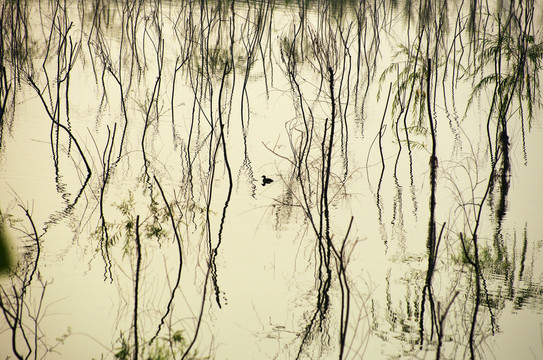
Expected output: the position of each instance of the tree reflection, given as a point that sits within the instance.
(22, 298)
(172, 112)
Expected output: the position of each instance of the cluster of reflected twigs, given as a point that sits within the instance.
(218, 46)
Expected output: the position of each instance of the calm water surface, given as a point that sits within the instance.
(404, 141)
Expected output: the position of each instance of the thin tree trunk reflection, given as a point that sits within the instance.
(198, 91)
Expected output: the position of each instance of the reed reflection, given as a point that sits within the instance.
(161, 158)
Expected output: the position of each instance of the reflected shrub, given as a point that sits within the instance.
(163, 348)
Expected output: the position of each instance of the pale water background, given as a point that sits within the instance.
(266, 265)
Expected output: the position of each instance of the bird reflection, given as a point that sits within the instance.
(266, 180)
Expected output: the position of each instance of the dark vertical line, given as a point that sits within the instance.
(433, 165)
(382, 129)
(104, 241)
(523, 252)
(325, 191)
(136, 289)
(199, 321)
(431, 240)
(180, 253)
(214, 251)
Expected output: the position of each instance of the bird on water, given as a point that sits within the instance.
(266, 180)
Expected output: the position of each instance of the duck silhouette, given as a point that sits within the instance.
(266, 180)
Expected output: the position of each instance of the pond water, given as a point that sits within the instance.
(260, 179)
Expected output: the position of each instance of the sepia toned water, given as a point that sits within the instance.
(135, 138)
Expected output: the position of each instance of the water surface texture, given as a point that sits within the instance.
(271, 179)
